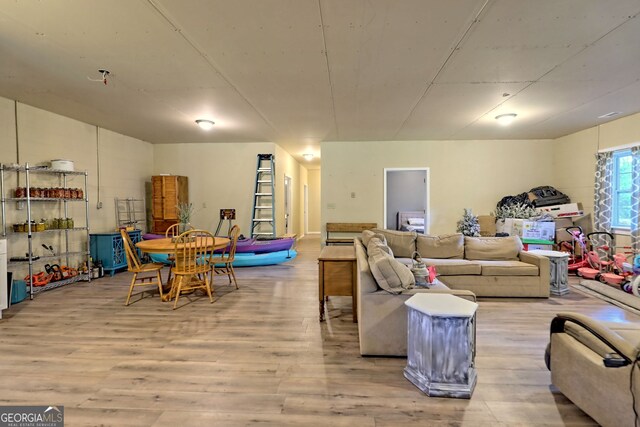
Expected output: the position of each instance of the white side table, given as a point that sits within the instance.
(559, 270)
(441, 345)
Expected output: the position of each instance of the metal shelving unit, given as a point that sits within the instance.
(130, 213)
(66, 254)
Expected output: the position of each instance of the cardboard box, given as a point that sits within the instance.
(536, 247)
(561, 234)
(538, 230)
(487, 225)
(511, 226)
(526, 229)
(563, 211)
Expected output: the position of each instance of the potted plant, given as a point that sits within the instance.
(185, 211)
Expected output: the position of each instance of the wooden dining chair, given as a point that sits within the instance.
(174, 230)
(223, 263)
(192, 266)
(135, 266)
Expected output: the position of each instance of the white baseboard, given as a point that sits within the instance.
(317, 233)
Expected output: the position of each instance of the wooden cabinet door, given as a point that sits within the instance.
(167, 193)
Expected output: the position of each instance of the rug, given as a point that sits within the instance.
(610, 294)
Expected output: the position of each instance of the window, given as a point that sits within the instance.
(621, 189)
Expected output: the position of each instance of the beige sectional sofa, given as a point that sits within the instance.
(484, 266)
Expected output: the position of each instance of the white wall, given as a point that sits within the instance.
(315, 193)
(574, 159)
(464, 174)
(125, 164)
(221, 176)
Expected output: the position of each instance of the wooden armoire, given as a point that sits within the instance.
(167, 192)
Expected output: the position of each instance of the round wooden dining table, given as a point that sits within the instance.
(168, 246)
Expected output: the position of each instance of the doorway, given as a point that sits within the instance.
(305, 205)
(405, 190)
(287, 205)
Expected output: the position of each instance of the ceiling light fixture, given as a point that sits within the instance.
(506, 119)
(308, 157)
(611, 114)
(205, 124)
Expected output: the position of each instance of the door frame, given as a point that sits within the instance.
(288, 202)
(305, 207)
(427, 215)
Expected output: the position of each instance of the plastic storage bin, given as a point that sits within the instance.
(18, 291)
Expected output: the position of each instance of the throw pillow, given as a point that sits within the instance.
(403, 243)
(441, 247)
(492, 248)
(416, 221)
(367, 235)
(376, 244)
(390, 274)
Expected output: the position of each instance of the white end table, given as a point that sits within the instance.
(559, 270)
(441, 345)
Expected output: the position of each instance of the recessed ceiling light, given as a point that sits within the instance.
(506, 119)
(205, 124)
(308, 156)
(611, 114)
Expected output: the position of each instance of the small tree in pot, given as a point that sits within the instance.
(469, 225)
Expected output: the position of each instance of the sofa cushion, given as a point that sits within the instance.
(492, 248)
(368, 234)
(391, 275)
(402, 243)
(507, 268)
(454, 267)
(376, 244)
(444, 246)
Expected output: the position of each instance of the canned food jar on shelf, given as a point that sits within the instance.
(62, 165)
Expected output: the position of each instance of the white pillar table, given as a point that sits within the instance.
(441, 345)
(559, 270)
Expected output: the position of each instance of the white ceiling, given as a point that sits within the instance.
(297, 72)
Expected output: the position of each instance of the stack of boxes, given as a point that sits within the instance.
(540, 234)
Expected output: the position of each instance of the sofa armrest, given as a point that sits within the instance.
(530, 258)
(598, 330)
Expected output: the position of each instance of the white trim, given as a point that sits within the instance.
(313, 232)
(620, 147)
(427, 214)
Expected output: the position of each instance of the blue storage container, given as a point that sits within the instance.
(18, 291)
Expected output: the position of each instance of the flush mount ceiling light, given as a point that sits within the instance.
(205, 124)
(506, 119)
(308, 157)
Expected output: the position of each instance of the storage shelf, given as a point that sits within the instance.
(47, 231)
(59, 283)
(65, 238)
(48, 257)
(36, 169)
(44, 199)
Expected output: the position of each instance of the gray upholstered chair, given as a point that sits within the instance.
(596, 365)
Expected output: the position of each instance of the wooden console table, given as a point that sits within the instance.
(337, 275)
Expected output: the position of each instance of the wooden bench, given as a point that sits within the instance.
(346, 227)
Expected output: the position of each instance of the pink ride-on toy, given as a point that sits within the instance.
(620, 272)
(575, 261)
(597, 264)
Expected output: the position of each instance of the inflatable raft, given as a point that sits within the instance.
(249, 252)
(245, 259)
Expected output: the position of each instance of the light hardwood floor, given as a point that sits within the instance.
(258, 355)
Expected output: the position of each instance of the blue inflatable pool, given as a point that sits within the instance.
(246, 259)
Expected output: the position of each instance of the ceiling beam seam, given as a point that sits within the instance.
(326, 59)
(210, 62)
(456, 46)
(546, 73)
